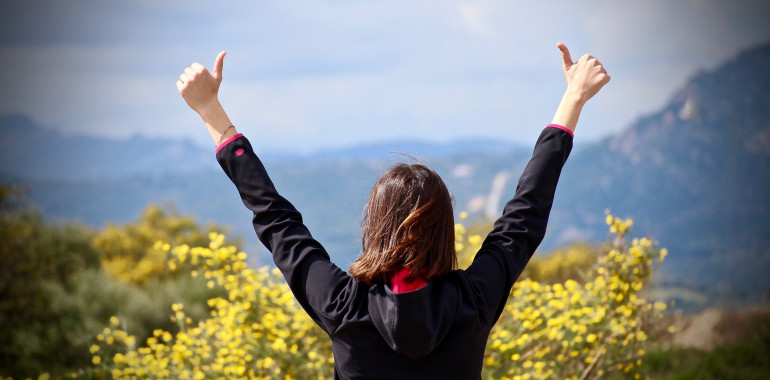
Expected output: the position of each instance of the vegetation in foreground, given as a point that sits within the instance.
(164, 296)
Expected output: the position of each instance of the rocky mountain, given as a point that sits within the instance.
(695, 175)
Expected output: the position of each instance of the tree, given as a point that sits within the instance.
(37, 261)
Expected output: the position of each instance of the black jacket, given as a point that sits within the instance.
(438, 331)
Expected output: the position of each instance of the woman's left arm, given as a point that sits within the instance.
(321, 287)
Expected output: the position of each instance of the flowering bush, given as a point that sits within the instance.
(579, 330)
(562, 330)
(127, 253)
(575, 262)
(257, 331)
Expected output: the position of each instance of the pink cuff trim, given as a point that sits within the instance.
(563, 128)
(229, 140)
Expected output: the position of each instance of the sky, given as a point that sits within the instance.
(306, 76)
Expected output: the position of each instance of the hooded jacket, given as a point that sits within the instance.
(436, 331)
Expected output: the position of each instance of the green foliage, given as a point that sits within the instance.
(573, 314)
(55, 294)
(39, 260)
(742, 360)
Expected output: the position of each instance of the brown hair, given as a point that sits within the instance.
(408, 222)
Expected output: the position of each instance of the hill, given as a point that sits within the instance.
(30, 151)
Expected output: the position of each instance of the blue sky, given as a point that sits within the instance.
(303, 76)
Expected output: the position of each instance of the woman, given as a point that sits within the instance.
(403, 311)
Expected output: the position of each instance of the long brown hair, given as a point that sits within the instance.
(408, 222)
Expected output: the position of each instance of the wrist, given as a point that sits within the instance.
(210, 109)
(568, 112)
(574, 98)
(217, 121)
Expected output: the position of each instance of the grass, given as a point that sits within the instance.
(745, 359)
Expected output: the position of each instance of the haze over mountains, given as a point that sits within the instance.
(694, 175)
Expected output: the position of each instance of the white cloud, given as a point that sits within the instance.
(473, 19)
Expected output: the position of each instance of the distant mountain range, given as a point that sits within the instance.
(695, 176)
(28, 151)
(99, 180)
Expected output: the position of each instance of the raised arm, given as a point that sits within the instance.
(518, 232)
(320, 286)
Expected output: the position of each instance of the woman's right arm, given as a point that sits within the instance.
(584, 79)
(518, 232)
(320, 287)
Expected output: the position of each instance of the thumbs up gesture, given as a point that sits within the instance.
(585, 77)
(198, 87)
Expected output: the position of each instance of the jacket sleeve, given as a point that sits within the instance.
(322, 288)
(517, 233)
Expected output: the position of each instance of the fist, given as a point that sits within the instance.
(585, 77)
(198, 87)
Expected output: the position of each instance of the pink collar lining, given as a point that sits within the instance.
(400, 285)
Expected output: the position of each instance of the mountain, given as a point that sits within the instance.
(28, 150)
(66, 157)
(695, 175)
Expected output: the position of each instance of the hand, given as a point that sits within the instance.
(198, 87)
(585, 77)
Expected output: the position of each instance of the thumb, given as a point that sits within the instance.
(218, 63)
(565, 57)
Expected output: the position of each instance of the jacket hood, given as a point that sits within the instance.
(413, 323)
